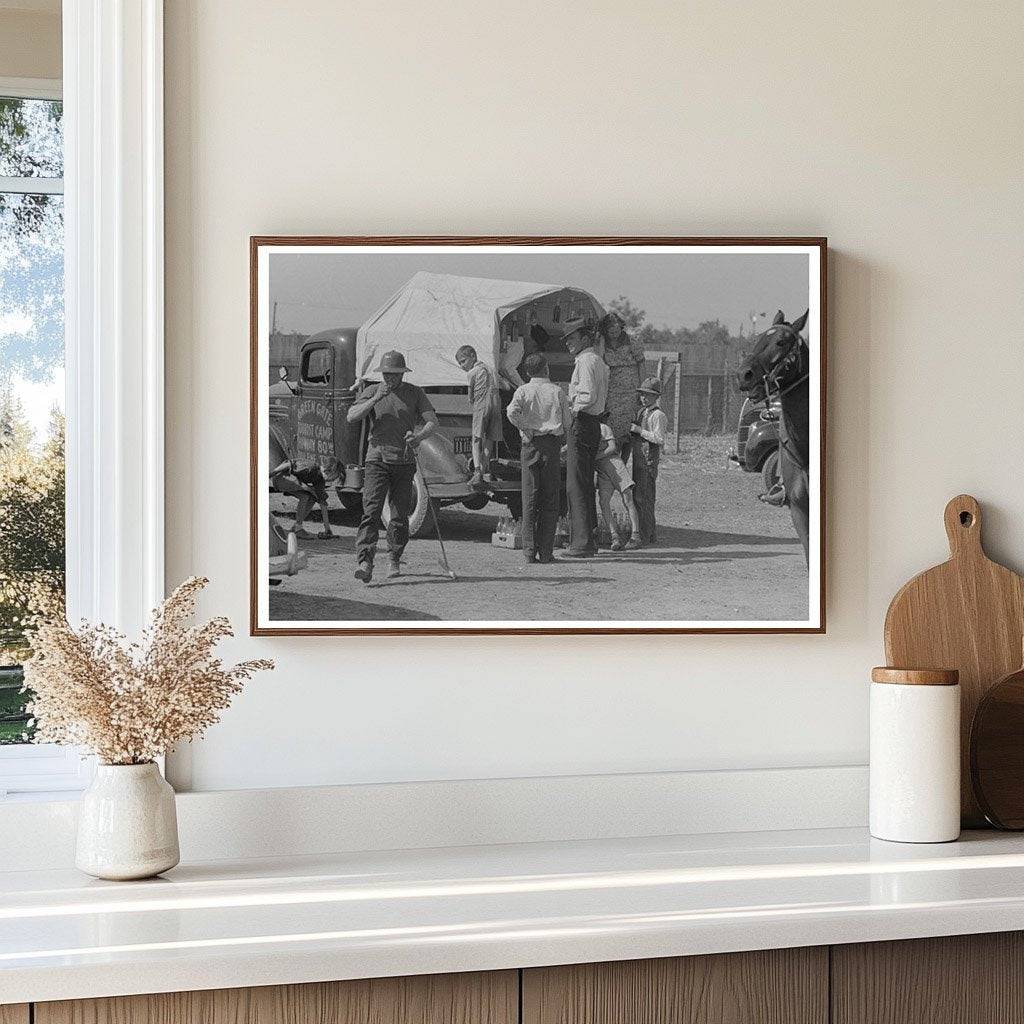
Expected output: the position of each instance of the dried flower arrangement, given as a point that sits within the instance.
(130, 703)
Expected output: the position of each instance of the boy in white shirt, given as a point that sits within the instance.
(540, 410)
(612, 476)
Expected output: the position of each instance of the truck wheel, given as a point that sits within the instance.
(770, 471)
(421, 523)
(351, 501)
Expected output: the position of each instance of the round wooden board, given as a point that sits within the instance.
(997, 752)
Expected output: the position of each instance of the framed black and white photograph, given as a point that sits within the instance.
(537, 435)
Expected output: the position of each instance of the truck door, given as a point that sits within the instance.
(315, 423)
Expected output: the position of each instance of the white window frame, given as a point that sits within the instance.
(114, 334)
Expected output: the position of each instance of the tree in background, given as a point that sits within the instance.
(32, 555)
(31, 526)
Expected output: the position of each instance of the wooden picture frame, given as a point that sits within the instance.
(431, 249)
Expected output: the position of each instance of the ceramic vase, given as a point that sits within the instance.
(127, 825)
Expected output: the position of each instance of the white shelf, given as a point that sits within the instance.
(351, 915)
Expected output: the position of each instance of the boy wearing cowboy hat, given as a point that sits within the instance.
(647, 436)
(401, 416)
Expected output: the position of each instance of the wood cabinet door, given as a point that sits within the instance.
(14, 1013)
(960, 979)
(481, 998)
(778, 986)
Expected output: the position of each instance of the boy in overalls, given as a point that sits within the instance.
(647, 435)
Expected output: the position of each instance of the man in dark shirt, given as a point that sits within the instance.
(401, 416)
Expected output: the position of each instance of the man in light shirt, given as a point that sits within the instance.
(540, 410)
(588, 393)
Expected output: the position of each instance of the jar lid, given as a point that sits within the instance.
(916, 676)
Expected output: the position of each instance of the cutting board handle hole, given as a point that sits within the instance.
(966, 519)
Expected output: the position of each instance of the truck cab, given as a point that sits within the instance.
(310, 419)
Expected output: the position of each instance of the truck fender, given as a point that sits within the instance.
(438, 462)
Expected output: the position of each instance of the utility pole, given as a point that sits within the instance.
(273, 320)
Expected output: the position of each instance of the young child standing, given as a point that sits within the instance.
(611, 477)
(485, 402)
(647, 434)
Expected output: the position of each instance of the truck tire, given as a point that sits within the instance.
(770, 471)
(351, 501)
(421, 523)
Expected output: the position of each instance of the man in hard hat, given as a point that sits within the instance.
(401, 416)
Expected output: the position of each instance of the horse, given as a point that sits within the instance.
(779, 367)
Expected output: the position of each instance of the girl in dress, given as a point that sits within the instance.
(625, 358)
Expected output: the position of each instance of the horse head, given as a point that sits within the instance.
(777, 360)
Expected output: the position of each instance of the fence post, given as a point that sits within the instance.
(679, 398)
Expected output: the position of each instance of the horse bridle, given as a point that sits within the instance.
(770, 380)
(772, 387)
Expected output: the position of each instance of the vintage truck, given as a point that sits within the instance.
(427, 320)
(308, 421)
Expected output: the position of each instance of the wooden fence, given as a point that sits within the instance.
(695, 403)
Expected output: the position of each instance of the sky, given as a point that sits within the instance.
(316, 291)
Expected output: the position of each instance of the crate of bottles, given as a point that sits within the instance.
(508, 533)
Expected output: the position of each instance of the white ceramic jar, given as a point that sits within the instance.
(915, 755)
(127, 824)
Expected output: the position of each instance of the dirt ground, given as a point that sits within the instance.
(721, 554)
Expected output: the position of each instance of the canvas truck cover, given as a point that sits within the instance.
(434, 314)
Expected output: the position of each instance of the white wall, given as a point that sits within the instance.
(895, 129)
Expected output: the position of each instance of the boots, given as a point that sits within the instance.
(365, 571)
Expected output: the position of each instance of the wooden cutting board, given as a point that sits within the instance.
(967, 614)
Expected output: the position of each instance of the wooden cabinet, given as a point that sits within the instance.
(962, 979)
(490, 998)
(970, 979)
(777, 986)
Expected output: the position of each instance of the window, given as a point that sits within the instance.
(32, 487)
(107, 142)
(317, 368)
